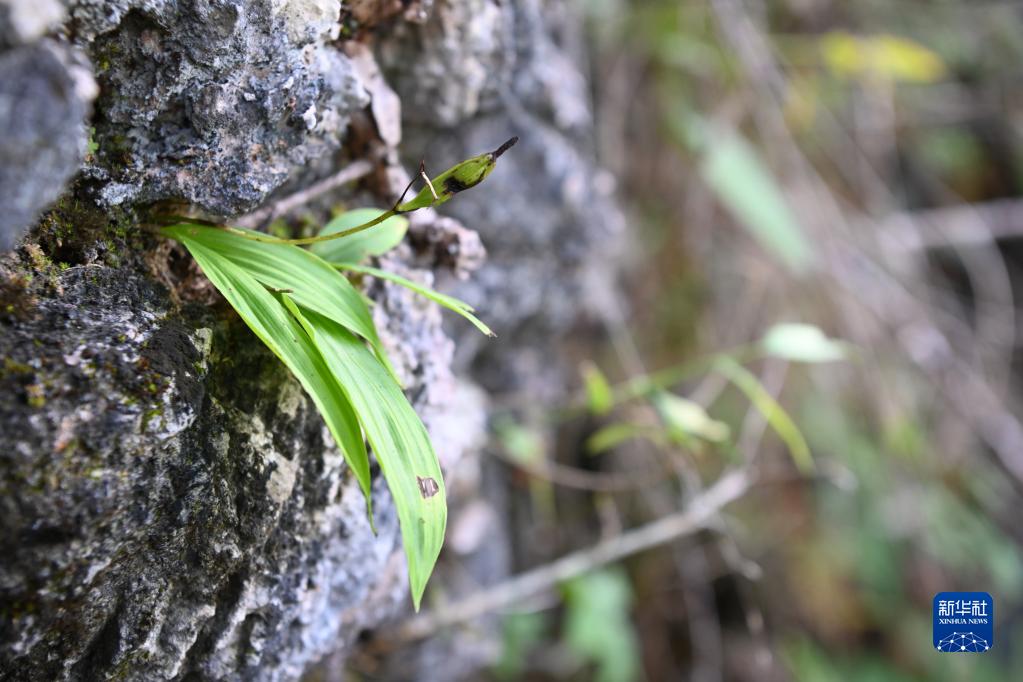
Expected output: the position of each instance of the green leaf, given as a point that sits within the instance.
(375, 241)
(801, 343)
(270, 321)
(399, 440)
(597, 624)
(774, 413)
(685, 418)
(311, 281)
(615, 434)
(599, 394)
(449, 302)
(522, 444)
(883, 56)
(520, 633)
(733, 170)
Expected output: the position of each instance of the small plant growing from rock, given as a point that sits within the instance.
(312, 318)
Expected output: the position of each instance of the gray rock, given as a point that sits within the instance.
(44, 99)
(25, 21)
(475, 74)
(213, 102)
(171, 503)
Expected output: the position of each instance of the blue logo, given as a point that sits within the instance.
(964, 622)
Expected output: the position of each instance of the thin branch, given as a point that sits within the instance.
(582, 479)
(965, 225)
(700, 511)
(354, 171)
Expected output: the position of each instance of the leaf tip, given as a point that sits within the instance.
(511, 142)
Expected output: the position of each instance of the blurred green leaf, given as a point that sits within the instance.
(956, 535)
(775, 414)
(801, 343)
(91, 146)
(684, 418)
(375, 241)
(733, 170)
(522, 444)
(613, 435)
(884, 55)
(520, 632)
(809, 662)
(599, 394)
(597, 624)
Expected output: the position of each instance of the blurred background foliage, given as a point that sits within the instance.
(824, 260)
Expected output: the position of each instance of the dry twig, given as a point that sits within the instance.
(697, 515)
(354, 171)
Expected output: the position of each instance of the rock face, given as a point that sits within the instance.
(214, 102)
(172, 506)
(44, 99)
(474, 74)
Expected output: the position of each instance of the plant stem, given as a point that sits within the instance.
(267, 239)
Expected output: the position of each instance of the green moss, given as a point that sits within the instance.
(37, 258)
(35, 396)
(149, 415)
(91, 146)
(70, 232)
(19, 609)
(14, 367)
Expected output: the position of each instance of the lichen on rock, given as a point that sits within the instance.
(213, 102)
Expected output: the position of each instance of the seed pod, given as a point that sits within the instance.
(459, 177)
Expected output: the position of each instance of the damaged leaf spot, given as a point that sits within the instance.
(427, 487)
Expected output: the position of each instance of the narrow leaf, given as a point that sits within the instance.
(613, 435)
(773, 412)
(733, 170)
(312, 282)
(399, 440)
(599, 394)
(685, 418)
(269, 320)
(597, 625)
(449, 302)
(522, 444)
